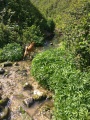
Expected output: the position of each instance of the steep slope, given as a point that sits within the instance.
(59, 10)
(21, 16)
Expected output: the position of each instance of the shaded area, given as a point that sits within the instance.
(17, 15)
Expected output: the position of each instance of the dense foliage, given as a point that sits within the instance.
(56, 70)
(16, 17)
(33, 33)
(72, 20)
(11, 52)
(66, 72)
(45, 65)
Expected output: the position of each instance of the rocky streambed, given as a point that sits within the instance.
(21, 97)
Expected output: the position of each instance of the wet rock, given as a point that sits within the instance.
(16, 64)
(7, 74)
(31, 57)
(2, 71)
(24, 72)
(0, 95)
(38, 92)
(0, 86)
(4, 101)
(4, 113)
(51, 43)
(27, 86)
(1, 91)
(29, 102)
(38, 95)
(7, 64)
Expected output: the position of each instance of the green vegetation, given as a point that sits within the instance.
(16, 17)
(21, 22)
(72, 21)
(57, 71)
(11, 52)
(66, 72)
(33, 33)
(46, 64)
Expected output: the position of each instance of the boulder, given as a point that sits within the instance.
(2, 71)
(7, 64)
(5, 113)
(51, 43)
(4, 101)
(16, 64)
(27, 86)
(0, 86)
(29, 102)
(39, 95)
(24, 72)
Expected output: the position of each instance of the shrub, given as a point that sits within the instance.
(45, 65)
(33, 33)
(51, 25)
(56, 70)
(11, 52)
(72, 95)
(8, 34)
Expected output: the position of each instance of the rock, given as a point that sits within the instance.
(31, 58)
(16, 64)
(27, 86)
(24, 72)
(4, 114)
(38, 95)
(2, 71)
(51, 43)
(7, 73)
(0, 86)
(7, 64)
(4, 101)
(1, 91)
(29, 102)
(38, 92)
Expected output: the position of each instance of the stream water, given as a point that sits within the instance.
(12, 87)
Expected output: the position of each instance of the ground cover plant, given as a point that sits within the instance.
(11, 52)
(57, 71)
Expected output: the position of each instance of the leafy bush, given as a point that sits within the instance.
(56, 70)
(11, 52)
(8, 34)
(77, 33)
(72, 95)
(19, 16)
(33, 33)
(46, 64)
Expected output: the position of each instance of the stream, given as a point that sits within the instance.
(19, 87)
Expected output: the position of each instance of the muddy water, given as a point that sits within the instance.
(13, 81)
(12, 87)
